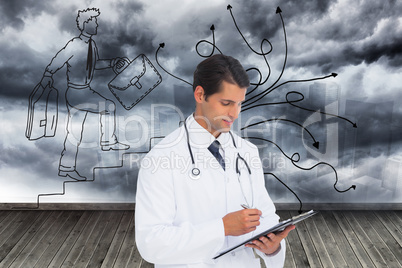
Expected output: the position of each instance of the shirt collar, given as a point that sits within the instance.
(200, 137)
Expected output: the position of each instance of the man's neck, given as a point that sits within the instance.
(201, 121)
(85, 35)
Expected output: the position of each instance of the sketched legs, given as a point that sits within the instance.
(77, 113)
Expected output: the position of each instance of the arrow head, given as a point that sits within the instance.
(354, 187)
(278, 10)
(300, 212)
(162, 45)
(212, 28)
(354, 125)
(229, 7)
(334, 74)
(316, 144)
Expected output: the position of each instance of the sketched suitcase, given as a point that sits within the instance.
(135, 81)
(42, 113)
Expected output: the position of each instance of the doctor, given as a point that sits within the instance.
(190, 204)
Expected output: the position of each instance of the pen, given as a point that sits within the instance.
(247, 207)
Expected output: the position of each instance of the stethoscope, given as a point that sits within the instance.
(195, 173)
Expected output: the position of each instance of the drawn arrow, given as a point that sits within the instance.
(316, 143)
(267, 91)
(296, 157)
(212, 28)
(284, 62)
(284, 184)
(162, 45)
(310, 110)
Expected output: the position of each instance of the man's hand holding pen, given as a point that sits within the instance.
(241, 222)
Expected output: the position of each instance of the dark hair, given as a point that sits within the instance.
(211, 72)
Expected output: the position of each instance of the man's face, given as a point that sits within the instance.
(220, 110)
(91, 27)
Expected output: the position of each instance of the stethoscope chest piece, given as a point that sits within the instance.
(195, 173)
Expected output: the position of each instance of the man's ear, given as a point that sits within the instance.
(199, 94)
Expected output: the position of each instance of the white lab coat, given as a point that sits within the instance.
(178, 220)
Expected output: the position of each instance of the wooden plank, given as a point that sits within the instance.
(327, 241)
(29, 255)
(81, 242)
(353, 240)
(360, 231)
(70, 241)
(4, 214)
(343, 244)
(49, 233)
(318, 243)
(126, 254)
(14, 231)
(308, 245)
(295, 255)
(118, 239)
(381, 238)
(106, 239)
(135, 259)
(14, 254)
(396, 218)
(390, 225)
(8, 220)
(59, 239)
(93, 240)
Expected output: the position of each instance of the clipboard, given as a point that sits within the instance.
(275, 229)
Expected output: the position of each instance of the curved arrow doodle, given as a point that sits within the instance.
(316, 143)
(162, 45)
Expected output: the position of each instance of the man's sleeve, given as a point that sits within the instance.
(60, 59)
(159, 239)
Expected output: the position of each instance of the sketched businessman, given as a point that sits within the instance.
(80, 55)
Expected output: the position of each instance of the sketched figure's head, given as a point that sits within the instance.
(86, 16)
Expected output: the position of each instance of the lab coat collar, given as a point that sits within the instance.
(200, 137)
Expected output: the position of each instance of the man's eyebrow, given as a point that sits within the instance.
(232, 100)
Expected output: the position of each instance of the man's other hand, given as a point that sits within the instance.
(270, 244)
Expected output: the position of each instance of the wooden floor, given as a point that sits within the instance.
(106, 239)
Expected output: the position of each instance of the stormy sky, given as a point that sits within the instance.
(360, 41)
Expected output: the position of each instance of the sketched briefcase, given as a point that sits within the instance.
(135, 81)
(42, 112)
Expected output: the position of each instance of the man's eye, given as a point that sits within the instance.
(225, 103)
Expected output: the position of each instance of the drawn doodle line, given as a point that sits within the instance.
(162, 45)
(284, 184)
(316, 143)
(278, 11)
(272, 103)
(212, 44)
(306, 109)
(266, 92)
(294, 161)
(264, 54)
(83, 181)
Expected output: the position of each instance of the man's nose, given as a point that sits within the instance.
(234, 111)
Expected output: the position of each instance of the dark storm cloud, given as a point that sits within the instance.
(326, 34)
(13, 12)
(129, 32)
(261, 20)
(19, 72)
